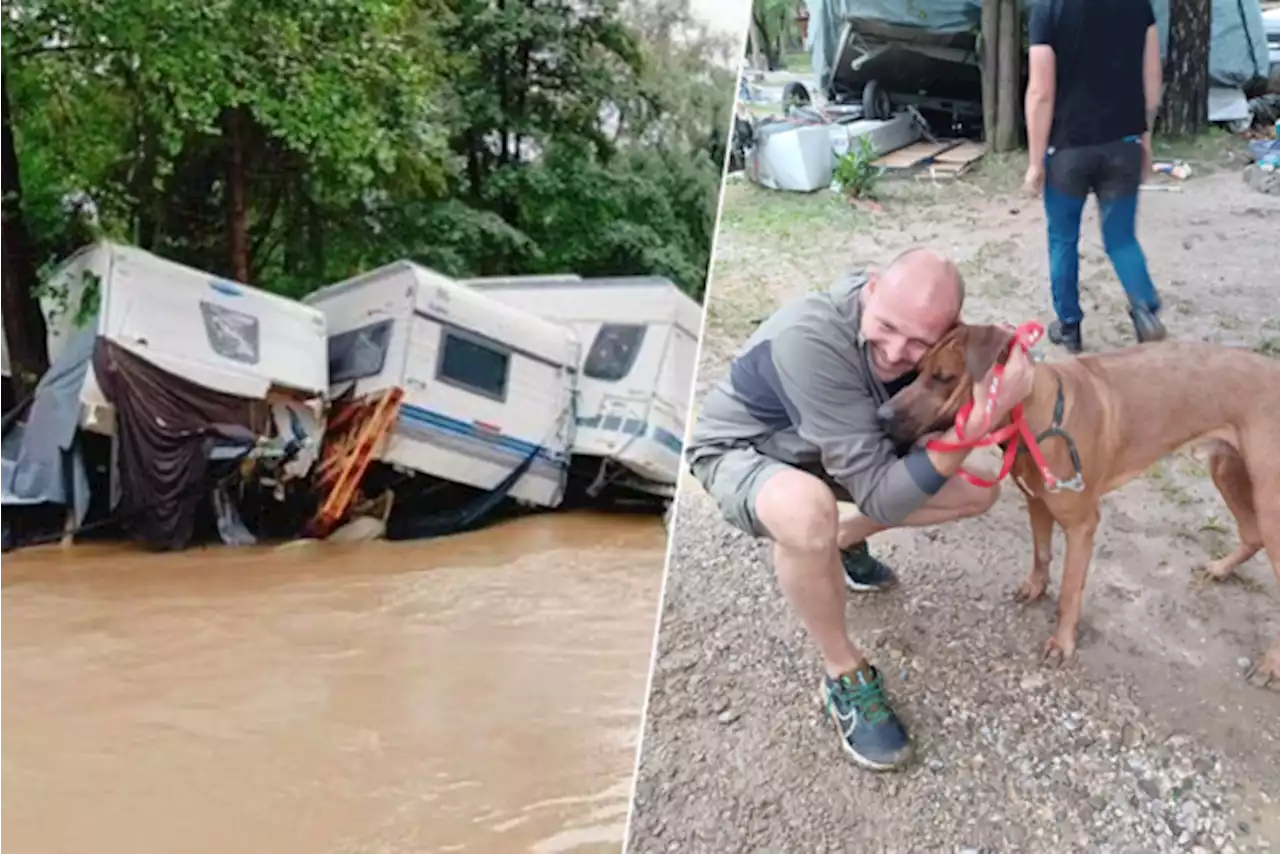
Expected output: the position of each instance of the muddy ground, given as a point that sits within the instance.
(1150, 741)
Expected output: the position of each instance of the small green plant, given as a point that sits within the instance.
(856, 174)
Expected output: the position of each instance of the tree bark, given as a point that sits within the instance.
(1008, 78)
(237, 207)
(990, 67)
(753, 36)
(1185, 106)
(25, 332)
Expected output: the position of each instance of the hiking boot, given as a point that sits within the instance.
(869, 731)
(1066, 335)
(1147, 325)
(863, 573)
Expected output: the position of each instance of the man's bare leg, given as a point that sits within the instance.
(799, 512)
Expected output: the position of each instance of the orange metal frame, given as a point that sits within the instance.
(353, 435)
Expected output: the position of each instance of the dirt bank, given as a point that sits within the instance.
(1152, 741)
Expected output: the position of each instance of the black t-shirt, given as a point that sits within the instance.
(1098, 48)
(892, 387)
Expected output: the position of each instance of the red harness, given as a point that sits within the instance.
(1016, 432)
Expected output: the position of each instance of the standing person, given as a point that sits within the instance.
(795, 427)
(1092, 97)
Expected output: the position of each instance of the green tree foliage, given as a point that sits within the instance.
(291, 143)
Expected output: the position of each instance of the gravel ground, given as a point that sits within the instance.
(1151, 741)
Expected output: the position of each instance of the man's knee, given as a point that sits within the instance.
(798, 511)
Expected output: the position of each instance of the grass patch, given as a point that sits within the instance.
(1269, 346)
(999, 173)
(1208, 151)
(739, 304)
(752, 210)
(797, 62)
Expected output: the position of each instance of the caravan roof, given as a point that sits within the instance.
(438, 297)
(218, 333)
(640, 299)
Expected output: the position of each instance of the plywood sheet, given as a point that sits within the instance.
(914, 154)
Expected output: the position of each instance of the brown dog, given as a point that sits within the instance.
(1116, 415)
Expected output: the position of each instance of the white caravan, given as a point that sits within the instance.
(485, 386)
(640, 339)
(216, 333)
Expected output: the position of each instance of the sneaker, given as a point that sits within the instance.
(863, 573)
(869, 731)
(1147, 325)
(1066, 335)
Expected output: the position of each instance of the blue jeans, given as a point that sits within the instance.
(1112, 171)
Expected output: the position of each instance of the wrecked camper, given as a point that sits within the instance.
(162, 375)
(437, 386)
(640, 347)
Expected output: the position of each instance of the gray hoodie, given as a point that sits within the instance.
(801, 391)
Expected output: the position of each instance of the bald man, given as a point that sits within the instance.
(793, 429)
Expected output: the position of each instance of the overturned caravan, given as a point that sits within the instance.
(163, 376)
(463, 402)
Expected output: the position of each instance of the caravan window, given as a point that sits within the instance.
(232, 334)
(614, 351)
(359, 353)
(470, 364)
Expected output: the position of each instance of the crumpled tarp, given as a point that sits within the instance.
(165, 428)
(1237, 53)
(42, 457)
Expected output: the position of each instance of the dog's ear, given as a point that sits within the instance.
(984, 346)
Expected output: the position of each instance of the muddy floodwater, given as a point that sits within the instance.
(478, 693)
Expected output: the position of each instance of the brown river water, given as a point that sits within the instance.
(477, 693)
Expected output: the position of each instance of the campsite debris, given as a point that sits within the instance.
(1179, 169)
(355, 432)
(1263, 177)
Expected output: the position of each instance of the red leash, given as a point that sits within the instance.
(1025, 336)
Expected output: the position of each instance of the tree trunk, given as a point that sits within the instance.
(990, 67)
(1185, 106)
(1009, 77)
(25, 333)
(237, 208)
(753, 36)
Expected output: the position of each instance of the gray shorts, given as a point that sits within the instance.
(733, 480)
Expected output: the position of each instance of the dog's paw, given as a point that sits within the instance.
(1030, 589)
(1266, 673)
(1211, 573)
(1059, 652)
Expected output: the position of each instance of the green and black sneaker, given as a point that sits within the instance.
(863, 573)
(869, 730)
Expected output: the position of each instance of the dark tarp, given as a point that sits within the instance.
(165, 427)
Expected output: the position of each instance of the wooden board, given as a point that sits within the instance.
(955, 161)
(965, 153)
(914, 154)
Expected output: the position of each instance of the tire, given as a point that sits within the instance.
(795, 94)
(875, 101)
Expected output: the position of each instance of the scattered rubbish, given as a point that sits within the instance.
(1179, 169)
(1161, 188)
(1264, 176)
(1263, 151)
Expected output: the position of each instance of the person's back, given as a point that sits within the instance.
(1092, 93)
(1099, 46)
